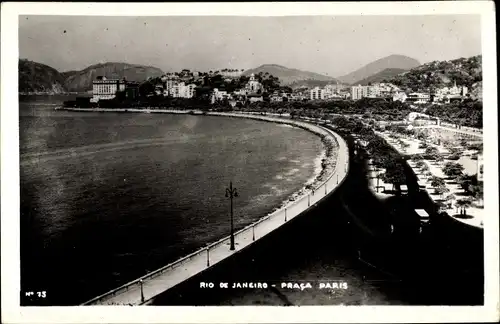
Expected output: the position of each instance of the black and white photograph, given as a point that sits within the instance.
(277, 155)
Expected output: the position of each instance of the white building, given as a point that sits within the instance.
(317, 94)
(399, 96)
(218, 95)
(418, 98)
(103, 88)
(253, 85)
(358, 92)
(231, 73)
(275, 98)
(181, 90)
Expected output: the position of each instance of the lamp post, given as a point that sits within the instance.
(231, 192)
(142, 292)
(208, 256)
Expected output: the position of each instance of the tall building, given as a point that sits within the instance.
(181, 90)
(105, 89)
(358, 92)
(317, 94)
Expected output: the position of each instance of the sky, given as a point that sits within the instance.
(331, 45)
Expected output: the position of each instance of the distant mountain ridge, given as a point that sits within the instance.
(381, 76)
(289, 76)
(400, 62)
(36, 77)
(82, 80)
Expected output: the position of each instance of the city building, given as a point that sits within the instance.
(218, 95)
(170, 82)
(358, 92)
(418, 98)
(317, 94)
(399, 96)
(131, 90)
(253, 86)
(255, 97)
(105, 89)
(231, 73)
(276, 98)
(181, 90)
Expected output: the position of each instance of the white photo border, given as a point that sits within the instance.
(10, 284)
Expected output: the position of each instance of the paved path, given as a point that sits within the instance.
(456, 130)
(130, 294)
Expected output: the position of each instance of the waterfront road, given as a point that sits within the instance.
(142, 292)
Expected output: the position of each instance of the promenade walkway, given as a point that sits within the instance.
(475, 214)
(144, 289)
(463, 131)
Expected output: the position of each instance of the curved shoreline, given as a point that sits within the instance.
(170, 275)
(324, 164)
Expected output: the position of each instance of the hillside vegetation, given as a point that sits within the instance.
(39, 78)
(464, 71)
(288, 76)
(381, 76)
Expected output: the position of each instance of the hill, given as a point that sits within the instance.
(381, 76)
(82, 80)
(389, 62)
(39, 78)
(463, 71)
(288, 76)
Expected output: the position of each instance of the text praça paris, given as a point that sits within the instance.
(282, 285)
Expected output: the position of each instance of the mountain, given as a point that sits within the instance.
(381, 76)
(289, 76)
(82, 80)
(39, 78)
(437, 74)
(389, 62)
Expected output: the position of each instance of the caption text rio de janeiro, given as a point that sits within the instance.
(282, 285)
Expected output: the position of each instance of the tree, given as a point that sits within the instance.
(463, 204)
(437, 182)
(422, 136)
(477, 192)
(449, 199)
(395, 175)
(441, 190)
(417, 157)
(420, 164)
(466, 181)
(431, 152)
(453, 170)
(438, 158)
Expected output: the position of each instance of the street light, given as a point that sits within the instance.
(231, 192)
(142, 292)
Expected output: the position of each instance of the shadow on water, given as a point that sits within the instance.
(363, 239)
